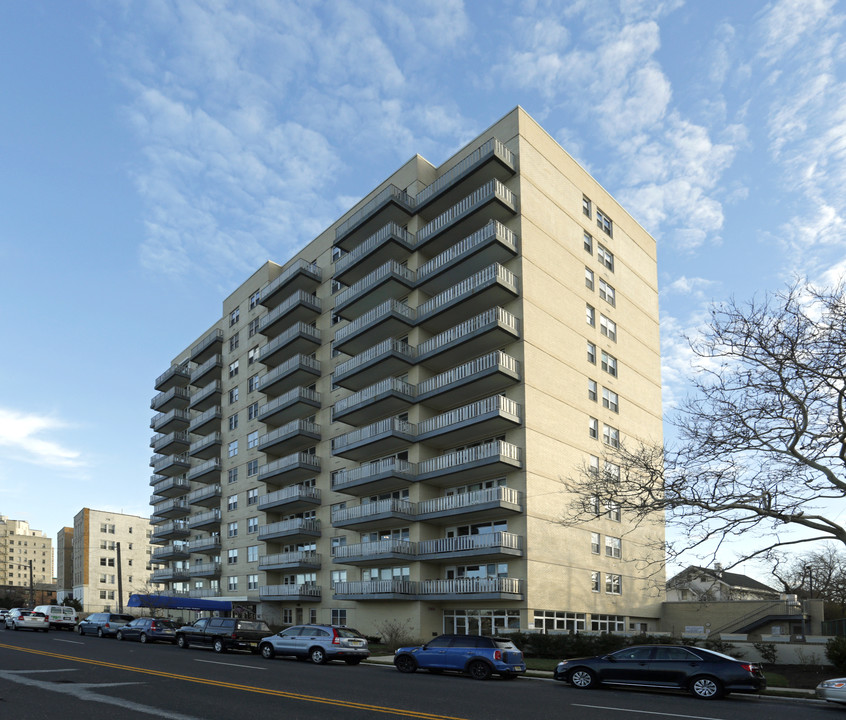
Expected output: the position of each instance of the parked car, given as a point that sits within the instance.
(223, 634)
(61, 617)
(477, 655)
(318, 643)
(703, 673)
(148, 630)
(833, 691)
(19, 618)
(103, 624)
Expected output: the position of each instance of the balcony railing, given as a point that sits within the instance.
(203, 468)
(496, 403)
(493, 229)
(159, 462)
(373, 549)
(470, 586)
(391, 267)
(213, 337)
(371, 243)
(281, 340)
(298, 393)
(470, 542)
(297, 267)
(468, 327)
(464, 501)
(497, 358)
(295, 426)
(290, 461)
(162, 419)
(387, 308)
(386, 346)
(204, 417)
(213, 388)
(174, 372)
(208, 544)
(204, 569)
(290, 364)
(290, 492)
(214, 438)
(388, 425)
(376, 587)
(206, 518)
(300, 297)
(467, 287)
(198, 372)
(175, 393)
(313, 591)
(469, 455)
(309, 525)
(204, 493)
(160, 440)
(371, 509)
(392, 192)
(301, 557)
(346, 477)
(363, 396)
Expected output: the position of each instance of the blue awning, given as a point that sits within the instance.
(178, 602)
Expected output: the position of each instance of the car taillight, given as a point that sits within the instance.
(748, 667)
(335, 639)
(152, 626)
(106, 625)
(234, 636)
(498, 655)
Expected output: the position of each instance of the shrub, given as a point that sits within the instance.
(395, 633)
(768, 651)
(835, 651)
(721, 646)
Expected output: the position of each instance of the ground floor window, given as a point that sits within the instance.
(607, 623)
(287, 616)
(339, 616)
(481, 622)
(547, 620)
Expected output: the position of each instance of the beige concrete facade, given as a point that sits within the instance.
(22, 548)
(64, 563)
(380, 427)
(96, 568)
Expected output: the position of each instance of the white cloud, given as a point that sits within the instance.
(693, 286)
(21, 440)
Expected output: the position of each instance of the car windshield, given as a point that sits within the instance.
(348, 633)
(254, 625)
(504, 644)
(163, 624)
(707, 653)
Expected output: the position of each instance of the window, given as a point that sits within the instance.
(592, 390)
(611, 436)
(253, 411)
(287, 616)
(605, 256)
(232, 502)
(252, 468)
(613, 584)
(604, 223)
(252, 355)
(233, 421)
(253, 383)
(607, 623)
(557, 620)
(253, 439)
(609, 364)
(336, 285)
(590, 315)
(252, 496)
(612, 511)
(607, 293)
(336, 577)
(253, 328)
(591, 353)
(588, 243)
(255, 299)
(232, 557)
(232, 583)
(233, 396)
(613, 547)
(593, 464)
(252, 582)
(594, 581)
(252, 525)
(594, 543)
(610, 400)
(233, 369)
(233, 475)
(586, 205)
(234, 316)
(234, 342)
(252, 553)
(233, 448)
(232, 529)
(336, 318)
(339, 616)
(593, 428)
(589, 278)
(608, 328)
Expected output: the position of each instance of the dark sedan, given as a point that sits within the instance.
(148, 630)
(703, 673)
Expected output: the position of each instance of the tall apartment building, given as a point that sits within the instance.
(26, 557)
(64, 563)
(96, 566)
(379, 427)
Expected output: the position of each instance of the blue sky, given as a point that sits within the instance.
(153, 154)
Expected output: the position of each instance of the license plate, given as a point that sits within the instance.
(356, 643)
(253, 644)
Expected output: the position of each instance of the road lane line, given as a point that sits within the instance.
(215, 662)
(646, 712)
(245, 688)
(72, 642)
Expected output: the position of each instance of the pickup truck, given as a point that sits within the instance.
(223, 634)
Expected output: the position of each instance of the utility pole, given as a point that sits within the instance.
(120, 580)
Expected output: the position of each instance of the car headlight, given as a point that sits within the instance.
(833, 684)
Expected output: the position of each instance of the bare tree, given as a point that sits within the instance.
(819, 573)
(761, 447)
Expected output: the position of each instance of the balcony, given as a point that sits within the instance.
(298, 370)
(210, 592)
(172, 509)
(481, 334)
(170, 465)
(176, 397)
(207, 396)
(381, 438)
(169, 575)
(489, 546)
(297, 339)
(292, 499)
(206, 447)
(392, 242)
(300, 275)
(206, 371)
(478, 505)
(291, 437)
(298, 560)
(375, 477)
(174, 442)
(206, 472)
(388, 397)
(470, 464)
(376, 590)
(467, 216)
(484, 418)
(381, 323)
(208, 496)
(205, 546)
(493, 588)
(205, 520)
(491, 286)
(486, 375)
(490, 161)
(171, 421)
(390, 357)
(206, 421)
(204, 570)
(175, 375)
(174, 551)
(176, 530)
(379, 552)
(299, 307)
(391, 281)
(207, 347)
(294, 404)
(387, 513)
(289, 593)
(391, 205)
(290, 469)
(170, 486)
(290, 530)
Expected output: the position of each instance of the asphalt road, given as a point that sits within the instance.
(62, 675)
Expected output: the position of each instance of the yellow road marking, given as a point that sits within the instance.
(235, 686)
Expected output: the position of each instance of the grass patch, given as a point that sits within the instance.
(776, 680)
(541, 663)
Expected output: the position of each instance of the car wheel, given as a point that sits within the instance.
(99, 632)
(706, 688)
(182, 642)
(405, 664)
(119, 635)
(582, 678)
(267, 651)
(479, 670)
(80, 630)
(218, 646)
(143, 637)
(317, 655)
(352, 661)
